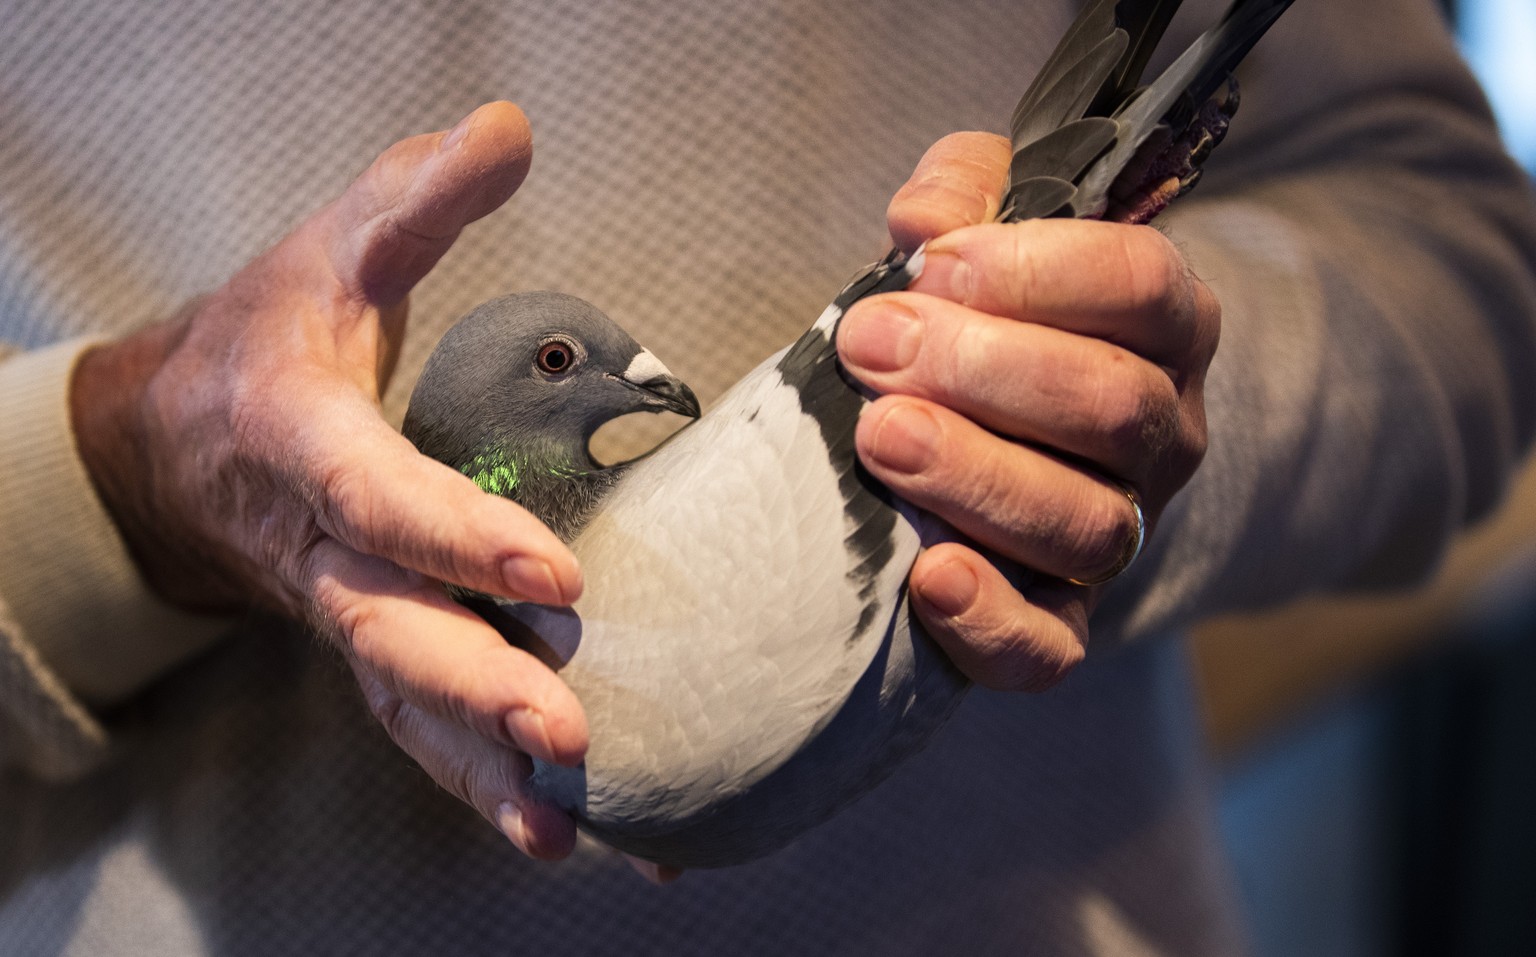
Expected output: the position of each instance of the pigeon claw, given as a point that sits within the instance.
(1167, 166)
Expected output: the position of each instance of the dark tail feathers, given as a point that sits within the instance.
(1090, 142)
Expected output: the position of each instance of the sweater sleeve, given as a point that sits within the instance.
(1375, 254)
(78, 628)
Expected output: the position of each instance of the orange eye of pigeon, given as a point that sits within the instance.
(556, 357)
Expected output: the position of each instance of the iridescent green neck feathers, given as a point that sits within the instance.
(550, 485)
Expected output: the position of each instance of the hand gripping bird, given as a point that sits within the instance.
(744, 651)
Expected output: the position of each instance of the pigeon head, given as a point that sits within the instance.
(515, 390)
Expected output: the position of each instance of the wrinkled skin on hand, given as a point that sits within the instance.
(241, 450)
(1031, 368)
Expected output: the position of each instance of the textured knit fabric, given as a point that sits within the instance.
(63, 658)
(709, 173)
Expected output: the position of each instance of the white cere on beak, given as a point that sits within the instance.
(644, 367)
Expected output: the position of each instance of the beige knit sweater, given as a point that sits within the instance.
(708, 173)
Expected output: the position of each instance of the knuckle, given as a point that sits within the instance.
(343, 490)
(983, 485)
(482, 781)
(466, 701)
(1137, 411)
(1156, 274)
(296, 557)
(1195, 448)
(996, 662)
(324, 602)
(1017, 657)
(354, 622)
(482, 784)
(1207, 335)
(1160, 427)
(1193, 440)
(978, 158)
(956, 358)
(357, 505)
(1049, 664)
(938, 203)
(1121, 405)
(460, 778)
(346, 504)
(388, 709)
(497, 779)
(379, 187)
(1097, 531)
(461, 558)
(1020, 279)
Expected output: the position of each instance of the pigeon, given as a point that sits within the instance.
(744, 649)
(514, 391)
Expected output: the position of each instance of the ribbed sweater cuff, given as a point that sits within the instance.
(65, 573)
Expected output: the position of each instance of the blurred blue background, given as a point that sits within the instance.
(1499, 40)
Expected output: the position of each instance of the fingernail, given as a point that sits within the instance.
(881, 337)
(570, 580)
(945, 274)
(906, 440)
(950, 588)
(456, 135)
(533, 579)
(509, 820)
(526, 725)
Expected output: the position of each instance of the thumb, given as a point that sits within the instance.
(393, 224)
(958, 182)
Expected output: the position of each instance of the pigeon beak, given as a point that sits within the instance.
(671, 394)
(661, 389)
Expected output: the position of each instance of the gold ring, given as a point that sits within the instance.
(1133, 547)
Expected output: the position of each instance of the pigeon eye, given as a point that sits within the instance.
(556, 357)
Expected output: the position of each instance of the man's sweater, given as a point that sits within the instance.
(707, 173)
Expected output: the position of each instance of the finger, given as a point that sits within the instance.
(1079, 395)
(958, 182)
(1124, 284)
(373, 491)
(1026, 505)
(394, 223)
(993, 633)
(489, 778)
(404, 632)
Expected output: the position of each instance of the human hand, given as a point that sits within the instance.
(1031, 371)
(241, 451)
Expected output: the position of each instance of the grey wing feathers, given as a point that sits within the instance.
(1090, 28)
(1039, 197)
(1146, 23)
(1094, 74)
(1069, 98)
(1065, 153)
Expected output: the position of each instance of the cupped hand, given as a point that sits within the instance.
(241, 450)
(1032, 375)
